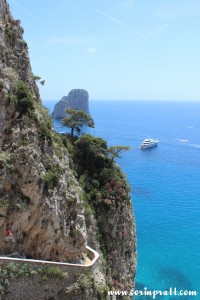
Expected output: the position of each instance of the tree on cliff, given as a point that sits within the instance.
(115, 151)
(76, 119)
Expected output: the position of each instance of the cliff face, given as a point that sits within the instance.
(39, 196)
(14, 63)
(50, 215)
(76, 99)
(14, 56)
(109, 212)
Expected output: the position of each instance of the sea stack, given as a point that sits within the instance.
(76, 99)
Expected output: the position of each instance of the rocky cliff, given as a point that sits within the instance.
(76, 99)
(39, 195)
(49, 211)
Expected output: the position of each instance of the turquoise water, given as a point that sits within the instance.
(165, 185)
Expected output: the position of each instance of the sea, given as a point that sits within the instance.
(165, 183)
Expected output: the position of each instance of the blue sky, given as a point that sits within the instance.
(116, 49)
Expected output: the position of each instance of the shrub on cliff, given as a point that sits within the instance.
(10, 35)
(53, 272)
(24, 98)
(53, 173)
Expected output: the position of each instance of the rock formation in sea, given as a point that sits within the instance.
(76, 99)
(52, 203)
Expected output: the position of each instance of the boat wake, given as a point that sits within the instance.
(182, 140)
(197, 146)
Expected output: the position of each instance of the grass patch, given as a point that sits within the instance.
(52, 271)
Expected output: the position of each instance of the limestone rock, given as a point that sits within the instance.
(42, 207)
(40, 197)
(76, 99)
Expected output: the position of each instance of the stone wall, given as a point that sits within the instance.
(37, 280)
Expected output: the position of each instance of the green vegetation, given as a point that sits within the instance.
(13, 270)
(53, 173)
(76, 119)
(6, 160)
(10, 35)
(86, 280)
(45, 131)
(11, 74)
(94, 147)
(25, 142)
(24, 98)
(103, 182)
(52, 271)
(105, 189)
(4, 202)
(105, 186)
(115, 151)
(38, 78)
(45, 123)
(32, 111)
(94, 157)
(1, 84)
(58, 150)
(51, 178)
(4, 157)
(102, 290)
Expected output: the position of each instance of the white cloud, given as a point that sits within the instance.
(91, 50)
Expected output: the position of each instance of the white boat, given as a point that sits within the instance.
(149, 143)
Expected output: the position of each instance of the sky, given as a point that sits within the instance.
(115, 49)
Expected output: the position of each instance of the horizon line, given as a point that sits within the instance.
(156, 100)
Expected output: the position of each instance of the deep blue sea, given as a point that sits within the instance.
(165, 185)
